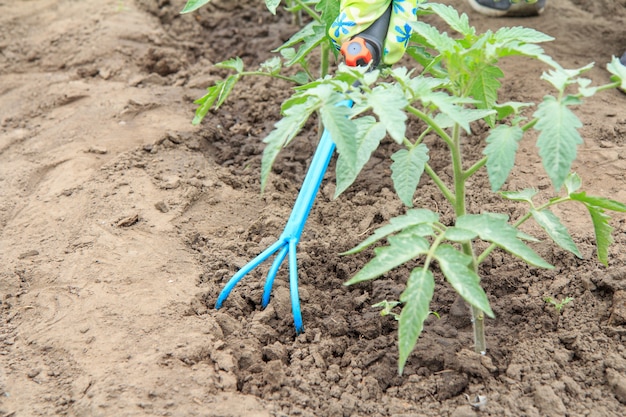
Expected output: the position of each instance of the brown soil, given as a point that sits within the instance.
(120, 222)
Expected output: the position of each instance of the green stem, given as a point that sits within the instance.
(472, 170)
(324, 59)
(460, 209)
(432, 124)
(265, 74)
(529, 125)
(449, 195)
(314, 15)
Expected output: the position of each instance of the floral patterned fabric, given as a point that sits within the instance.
(357, 15)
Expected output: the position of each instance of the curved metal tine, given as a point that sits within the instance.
(293, 287)
(269, 282)
(244, 271)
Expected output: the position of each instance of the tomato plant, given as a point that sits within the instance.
(456, 86)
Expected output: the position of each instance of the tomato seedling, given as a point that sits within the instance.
(457, 86)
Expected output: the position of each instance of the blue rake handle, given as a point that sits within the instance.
(286, 243)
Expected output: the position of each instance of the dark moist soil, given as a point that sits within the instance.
(120, 223)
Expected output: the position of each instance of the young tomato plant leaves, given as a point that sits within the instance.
(416, 297)
(427, 35)
(407, 168)
(272, 5)
(450, 15)
(596, 207)
(495, 228)
(388, 104)
(485, 88)
(413, 218)
(403, 247)
(335, 120)
(456, 267)
(216, 95)
(519, 34)
(368, 135)
(194, 5)
(526, 194)
(618, 70)
(310, 36)
(329, 10)
(294, 117)
(556, 230)
(502, 144)
(601, 202)
(559, 137)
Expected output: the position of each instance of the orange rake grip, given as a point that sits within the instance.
(356, 52)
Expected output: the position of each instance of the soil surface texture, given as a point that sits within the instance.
(120, 222)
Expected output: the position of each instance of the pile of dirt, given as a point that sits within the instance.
(120, 223)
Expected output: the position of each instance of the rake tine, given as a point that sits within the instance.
(269, 283)
(293, 287)
(244, 271)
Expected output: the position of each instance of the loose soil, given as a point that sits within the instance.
(120, 222)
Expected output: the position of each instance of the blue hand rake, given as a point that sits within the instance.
(364, 49)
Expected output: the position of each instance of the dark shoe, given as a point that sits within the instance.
(506, 8)
(623, 59)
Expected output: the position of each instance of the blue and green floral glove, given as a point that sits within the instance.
(357, 15)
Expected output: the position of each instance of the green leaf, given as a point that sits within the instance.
(573, 182)
(310, 36)
(407, 169)
(272, 5)
(403, 247)
(561, 78)
(216, 95)
(520, 34)
(412, 218)
(234, 64)
(618, 70)
(272, 65)
(329, 10)
(341, 129)
(388, 104)
(484, 89)
(193, 5)
(502, 144)
(450, 109)
(416, 297)
(284, 131)
(367, 138)
(430, 63)
(510, 107)
(601, 202)
(526, 194)
(495, 228)
(451, 16)
(556, 230)
(558, 139)
(463, 115)
(456, 268)
(456, 234)
(603, 231)
(529, 50)
(426, 34)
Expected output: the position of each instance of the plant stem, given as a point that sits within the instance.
(324, 59)
(432, 124)
(314, 15)
(472, 170)
(460, 177)
(449, 195)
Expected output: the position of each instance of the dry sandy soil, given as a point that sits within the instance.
(120, 222)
